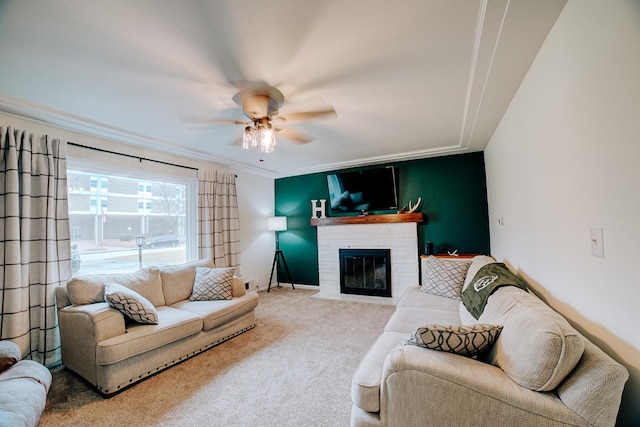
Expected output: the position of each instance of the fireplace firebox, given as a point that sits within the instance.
(365, 272)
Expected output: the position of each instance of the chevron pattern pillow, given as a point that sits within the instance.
(130, 303)
(463, 340)
(212, 284)
(444, 277)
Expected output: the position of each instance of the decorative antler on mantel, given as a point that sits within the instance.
(412, 208)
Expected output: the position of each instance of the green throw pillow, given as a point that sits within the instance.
(489, 278)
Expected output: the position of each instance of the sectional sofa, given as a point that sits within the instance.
(24, 385)
(112, 348)
(434, 364)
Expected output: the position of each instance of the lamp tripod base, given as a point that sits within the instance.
(277, 256)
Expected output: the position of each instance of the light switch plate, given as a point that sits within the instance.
(597, 248)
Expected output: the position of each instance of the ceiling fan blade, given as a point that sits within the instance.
(226, 116)
(198, 124)
(219, 120)
(294, 136)
(307, 115)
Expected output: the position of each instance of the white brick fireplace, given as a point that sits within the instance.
(400, 237)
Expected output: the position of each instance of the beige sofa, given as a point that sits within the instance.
(24, 385)
(538, 372)
(112, 352)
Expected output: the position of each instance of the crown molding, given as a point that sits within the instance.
(44, 115)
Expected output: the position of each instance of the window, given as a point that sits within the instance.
(120, 206)
(76, 233)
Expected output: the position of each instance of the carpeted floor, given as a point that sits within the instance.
(293, 369)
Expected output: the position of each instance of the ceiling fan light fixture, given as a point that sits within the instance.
(249, 138)
(267, 139)
(260, 104)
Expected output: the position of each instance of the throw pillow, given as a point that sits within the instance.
(130, 303)
(463, 340)
(444, 277)
(10, 354)
(212, 284)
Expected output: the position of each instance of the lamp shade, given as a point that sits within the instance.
(277, 223)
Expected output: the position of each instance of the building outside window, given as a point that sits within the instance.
(108, 210)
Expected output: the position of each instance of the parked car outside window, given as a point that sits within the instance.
(161, 241)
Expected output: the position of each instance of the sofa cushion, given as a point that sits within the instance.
(130, 303)
(177, 280)
(212, 284)
(408, 319)
(88, 289)
(221, 312)
(537, 347)
(463, 340)
(444, 277)
(10, 354)
(173, 325)
(414, 297)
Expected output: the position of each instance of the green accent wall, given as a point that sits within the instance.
(454, 200)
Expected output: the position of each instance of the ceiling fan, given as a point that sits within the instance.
(261, 105)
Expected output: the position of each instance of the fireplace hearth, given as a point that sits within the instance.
(365, 272)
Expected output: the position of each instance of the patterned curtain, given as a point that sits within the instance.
(218, 221)
(34, 241)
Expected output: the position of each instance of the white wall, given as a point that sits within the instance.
(255, 193)
(566, 157)
(255, 205)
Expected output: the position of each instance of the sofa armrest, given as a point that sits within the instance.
(428, 387)
(102, 321)
(82, 327)
(62, 297)
(594, 388)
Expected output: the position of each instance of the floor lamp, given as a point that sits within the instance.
(278, 224)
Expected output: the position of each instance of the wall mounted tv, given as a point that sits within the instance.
(364, 190)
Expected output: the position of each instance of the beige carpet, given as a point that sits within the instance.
(293, 369)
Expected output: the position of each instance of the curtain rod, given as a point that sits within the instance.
(131, 156)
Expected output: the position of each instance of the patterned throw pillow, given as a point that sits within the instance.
(10, 354)
(130, 303)
(463, 340)
(444, 277)
(212, 284)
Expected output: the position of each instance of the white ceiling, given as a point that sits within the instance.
(408, 79)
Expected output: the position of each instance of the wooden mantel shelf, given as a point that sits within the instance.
(368, 219)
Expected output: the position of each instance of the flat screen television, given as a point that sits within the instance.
(364, 190)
